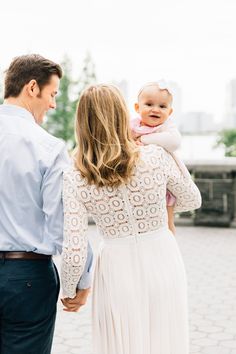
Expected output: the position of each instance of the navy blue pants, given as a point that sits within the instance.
(28, 296)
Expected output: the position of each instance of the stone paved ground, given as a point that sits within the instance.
(210, 258)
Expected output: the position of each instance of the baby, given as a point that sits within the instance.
(154, 126)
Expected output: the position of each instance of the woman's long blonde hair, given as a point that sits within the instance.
(106, 153)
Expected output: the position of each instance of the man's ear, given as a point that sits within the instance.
(32, 88)
(171, 111)
(136, 107)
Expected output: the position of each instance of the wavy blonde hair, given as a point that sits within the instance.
(106, 153)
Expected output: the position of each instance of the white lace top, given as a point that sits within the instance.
(132, 209)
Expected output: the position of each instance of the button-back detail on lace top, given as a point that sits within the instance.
(131, 209)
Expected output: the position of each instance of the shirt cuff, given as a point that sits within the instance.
(85, 281)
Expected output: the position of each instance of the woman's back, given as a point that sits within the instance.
(136, 207)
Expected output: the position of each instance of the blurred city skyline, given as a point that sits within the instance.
(187, 42)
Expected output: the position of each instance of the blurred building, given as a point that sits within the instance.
(197, 123)
(230, 121)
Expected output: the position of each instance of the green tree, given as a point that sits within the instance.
(227, 138)
(60, 122)
(88, 75)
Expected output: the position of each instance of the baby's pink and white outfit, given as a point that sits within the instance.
(165, 135)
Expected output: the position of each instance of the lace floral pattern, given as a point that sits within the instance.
(132, 209)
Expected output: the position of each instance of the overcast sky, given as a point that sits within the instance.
(191, 42)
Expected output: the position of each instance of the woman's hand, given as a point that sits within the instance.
(73, 305)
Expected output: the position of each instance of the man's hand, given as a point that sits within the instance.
(73, 305)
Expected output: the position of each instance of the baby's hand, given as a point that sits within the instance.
(135, 135)
(138, 141)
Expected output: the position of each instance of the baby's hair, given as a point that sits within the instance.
(161, 85)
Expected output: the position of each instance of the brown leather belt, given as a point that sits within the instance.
(22, 255)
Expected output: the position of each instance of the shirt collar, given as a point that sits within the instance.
(14, 110)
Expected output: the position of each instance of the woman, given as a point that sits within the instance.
(139, 293)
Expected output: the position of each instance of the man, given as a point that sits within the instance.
(31, 213)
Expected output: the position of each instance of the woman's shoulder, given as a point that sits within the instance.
(153, 155)
(151, 149)
(72, 174)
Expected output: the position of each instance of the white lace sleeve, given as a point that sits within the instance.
(75, 241)
(187, 194)
(169, 139)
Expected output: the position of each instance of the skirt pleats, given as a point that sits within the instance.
(140, 296)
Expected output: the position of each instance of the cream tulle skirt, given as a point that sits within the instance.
(139, 296)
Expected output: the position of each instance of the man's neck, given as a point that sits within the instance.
(18, 101)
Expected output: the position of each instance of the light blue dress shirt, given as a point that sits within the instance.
(31, 166)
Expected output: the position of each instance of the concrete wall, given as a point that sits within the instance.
(217, 183)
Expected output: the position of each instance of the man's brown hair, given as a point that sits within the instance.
(29, 67)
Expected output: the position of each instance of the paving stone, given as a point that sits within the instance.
(57, 339)
(230, 330)
(221, 336)
(228, 323)
(229, 344)
(79, 342)
(194, 349)
(203, 322)
(217, 317)
(192, 328)
(215, 350)
(204, 342)
(67, 327)
(80, 351)
(197, 335)
(212, 329)
(75, 334)
(60, 349)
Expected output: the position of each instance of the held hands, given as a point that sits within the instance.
(73, 305)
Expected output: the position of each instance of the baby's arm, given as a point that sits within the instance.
(169, 139)
(171, 219)
(170, 202)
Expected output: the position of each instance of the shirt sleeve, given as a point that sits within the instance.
(181, 185)
(51, 190)
(75, 243)
(169, 139)
(86, 278)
